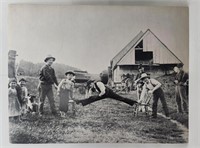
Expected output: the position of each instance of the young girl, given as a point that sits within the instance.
(65, 92)
(14, 104)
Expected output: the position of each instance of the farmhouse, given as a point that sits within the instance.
(146, 49)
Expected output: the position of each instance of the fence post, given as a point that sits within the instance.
(11, 63)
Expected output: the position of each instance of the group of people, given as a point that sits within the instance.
(17, 95)
(145, 85)
(65, 91)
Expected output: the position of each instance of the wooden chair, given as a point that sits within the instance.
(145, 104)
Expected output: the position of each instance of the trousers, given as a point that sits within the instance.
(108, 94)
(46, 91)
(181, 98)
(159, 94)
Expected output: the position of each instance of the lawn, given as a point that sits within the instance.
(106, 121)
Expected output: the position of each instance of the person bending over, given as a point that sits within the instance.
(103, 92)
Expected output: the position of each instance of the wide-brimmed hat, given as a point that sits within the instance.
(22, 79)
(49, 57)
(70, 72)
(143, 76)
(179, 65)
(89, 82)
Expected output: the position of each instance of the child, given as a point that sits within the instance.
(22, 83)
(14, 104)
(153, 87)
(65, 92)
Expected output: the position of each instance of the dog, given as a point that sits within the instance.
(31, 105)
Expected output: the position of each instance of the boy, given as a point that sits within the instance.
(65, 92)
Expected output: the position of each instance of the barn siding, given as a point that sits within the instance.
(128, 59)
(125, 49)
(161, 54)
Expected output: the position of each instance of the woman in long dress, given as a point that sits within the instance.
(14, 104)
(65, 92)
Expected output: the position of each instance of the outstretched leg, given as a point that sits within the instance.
(112, 95)
(109, 94)
(89, 100)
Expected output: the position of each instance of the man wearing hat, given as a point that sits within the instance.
(154, 87)
(47, 79)
(181, 81)
(103, 92)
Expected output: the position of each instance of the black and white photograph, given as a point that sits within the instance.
(98, 74)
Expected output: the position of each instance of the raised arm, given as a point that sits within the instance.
(102, 88)
(156, 84)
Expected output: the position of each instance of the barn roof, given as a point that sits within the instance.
(133, 43)
(124, 51)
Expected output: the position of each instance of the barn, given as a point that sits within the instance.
(146, 49)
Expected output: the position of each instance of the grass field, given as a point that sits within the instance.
(106, 121)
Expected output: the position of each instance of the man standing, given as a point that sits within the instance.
(181, 80)
(47, 79)
(103, 92)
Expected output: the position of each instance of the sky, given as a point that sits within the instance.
(88, 37)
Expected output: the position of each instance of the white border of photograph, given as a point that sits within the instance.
(194, 54)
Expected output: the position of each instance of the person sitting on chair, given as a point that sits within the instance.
(154, 87)
(103, 92)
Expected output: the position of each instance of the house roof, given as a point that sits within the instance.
(131, 44)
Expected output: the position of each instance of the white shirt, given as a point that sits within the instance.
(65, 84)
(152, 84)
(102, 88)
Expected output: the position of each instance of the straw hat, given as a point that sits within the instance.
(70, 72)
(144, 75)
(49, 57)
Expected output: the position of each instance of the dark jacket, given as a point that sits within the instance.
(47, 75)
(182, 77)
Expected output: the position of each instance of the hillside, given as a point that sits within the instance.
(30, 69)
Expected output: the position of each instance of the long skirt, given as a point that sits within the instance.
(14, 107)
